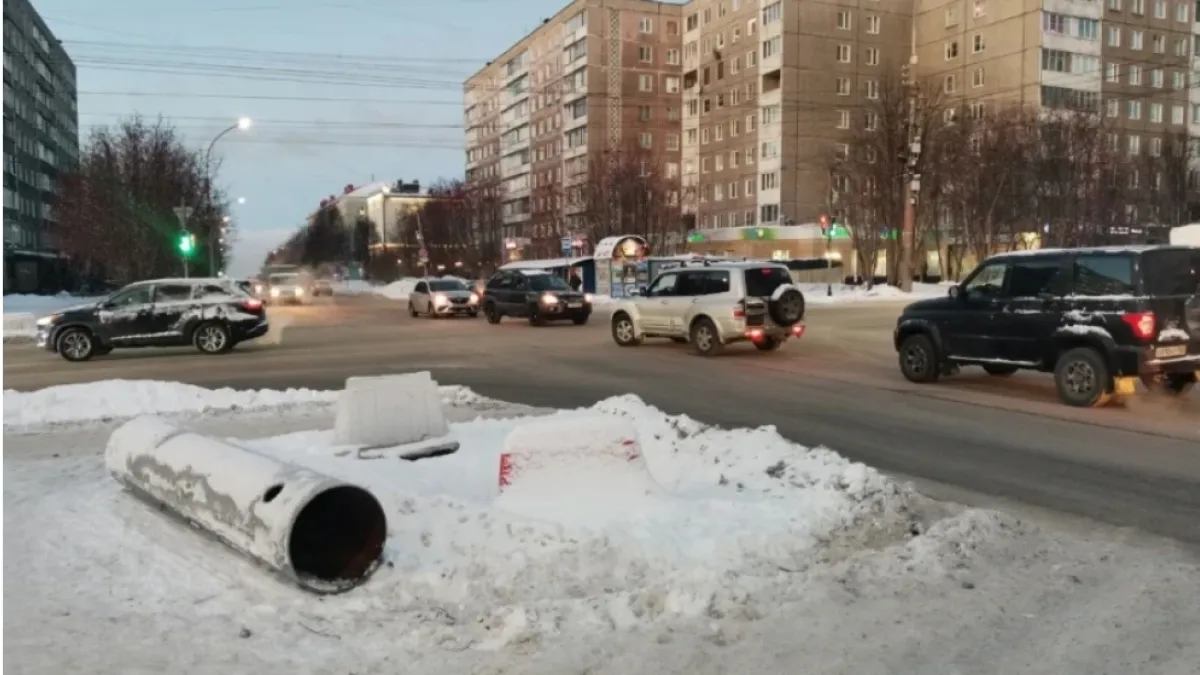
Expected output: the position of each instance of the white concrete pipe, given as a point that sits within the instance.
(323, 534)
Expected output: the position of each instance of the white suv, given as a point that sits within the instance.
(712, 305)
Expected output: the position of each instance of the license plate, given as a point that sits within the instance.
(575, 305)
(1170, 352)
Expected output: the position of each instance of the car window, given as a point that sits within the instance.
(714, 281)
(1098, 274)
(447, 285)
(138, 295)
(988, 280)
(691, 284)
(172, 292)
(278, 279)
(500, 281)
(420, 288)
(1032, 276)
(208, 290)
(547, 282)
(663, 286)
(761, 282)
(1171, 272)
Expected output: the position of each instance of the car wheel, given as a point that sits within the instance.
(919, 360)
(412, 311)
(1082, 378)
(999, 370)
(705, 338)
(1169, 384)
(580, 320)
(623, 331)
(76, 344)
(768, 344)
(212, 338)
(493, 316)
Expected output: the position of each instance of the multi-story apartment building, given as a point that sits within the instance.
(41, 138)
(600, 79)
(770, 86)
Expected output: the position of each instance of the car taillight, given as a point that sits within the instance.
(1142, 323)
(739, 310)
(252, 305)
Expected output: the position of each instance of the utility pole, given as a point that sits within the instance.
(184, 213)
(912, 177)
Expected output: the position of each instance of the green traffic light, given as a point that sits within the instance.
(187, 244)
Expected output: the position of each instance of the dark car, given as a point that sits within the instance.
(1098, 318)
(534, 294)
(211, 314)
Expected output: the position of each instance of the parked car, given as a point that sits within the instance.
(1100, 319)
(536, 295)
(443, 297)
(213, 315)
(713, 305)
(295, 288)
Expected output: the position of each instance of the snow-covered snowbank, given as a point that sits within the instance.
(118, 399)
(21, 312)
(816, 294)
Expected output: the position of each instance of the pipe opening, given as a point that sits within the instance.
(272, 492)
(338, 537)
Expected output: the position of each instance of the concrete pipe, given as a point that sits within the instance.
(319, 532)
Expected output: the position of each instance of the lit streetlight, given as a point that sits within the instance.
(242, 124)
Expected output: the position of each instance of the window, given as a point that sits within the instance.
(645, 54)
(769, 181)
(871, 89)
(672, 28)
(1160, 9)
(951, 16)
(1181, 13)
(1114, 36)
(1134, 111)
(843, 86)
(1135, 75)
(1156, 151)
(951, 50)
(949, 84)
(761, 282)
(977, 78)
(671, 84)
(1135, 39)
(873, 24)
(771, 114)
(769, 213)
(770, 13)
(646, 25)
(1099, 275)
(1112, 72)
(138, 295)
(1056, 61)
(173, 293)
(843, 20)
(1178, 80)
(664, 286)
(1159, 44)
(672, 57)
(843, 53)
(1112, 108)
(643, 113)
(1156, 78)
(872, 56)
(843, 119)
(1177, 114)
(771, 47)
(870, 120)
(1169, 272)
(1054, 23)
(645, 83)
(1033, 276)
(977, 43)
(987, 281)
(1134, 143)
(1156, 113)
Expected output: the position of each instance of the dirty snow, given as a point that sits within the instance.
(760, 556)
(117, 399)
(816, 294)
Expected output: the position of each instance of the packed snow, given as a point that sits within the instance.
(119, 399)
(735, 550)
(817, 294)
(21, 312)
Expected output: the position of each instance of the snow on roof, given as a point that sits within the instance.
(532, 272)
(543, 265)
(1133, 248)
(183, 280)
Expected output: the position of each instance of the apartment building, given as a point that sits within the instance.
(41, 138)
(771, 87)
(1128, 60)
(600, 79)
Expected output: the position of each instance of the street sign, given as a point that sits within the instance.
(566, 245)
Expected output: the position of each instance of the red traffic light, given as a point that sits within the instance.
(824, 221)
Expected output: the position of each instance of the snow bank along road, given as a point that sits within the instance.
(717, 551)
(837, 387)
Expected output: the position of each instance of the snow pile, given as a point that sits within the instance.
(44, 304)
(816, 294)
(355, 287)
(402, 288)
(118, 399)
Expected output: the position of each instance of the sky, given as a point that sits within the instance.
(340, 92)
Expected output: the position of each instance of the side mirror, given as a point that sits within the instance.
(954, 291)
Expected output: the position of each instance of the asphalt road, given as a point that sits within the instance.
(1010, 438)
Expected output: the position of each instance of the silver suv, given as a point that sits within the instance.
(712, 305)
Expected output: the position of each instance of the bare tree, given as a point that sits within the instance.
(485, 199)
(629, 192)
(115, 209)
(1170, 179)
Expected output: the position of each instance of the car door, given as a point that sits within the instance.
(967, 330)
(1030, 307)
(419, 298)
(125, 317)
(514, 295)
(172, 302)
(652, 309)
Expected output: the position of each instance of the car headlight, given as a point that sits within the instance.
(258, 289)
(587, 297)
(274, 292)
(299, 291)
(48, 320)
(549, 299)
(473, 299)
(440, 299)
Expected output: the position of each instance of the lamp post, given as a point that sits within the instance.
(242, 124)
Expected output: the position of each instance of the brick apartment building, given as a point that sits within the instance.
(600, 76)
(769, 87)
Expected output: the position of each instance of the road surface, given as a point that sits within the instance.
(839, 386)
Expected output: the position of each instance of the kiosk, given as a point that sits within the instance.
(621, 265)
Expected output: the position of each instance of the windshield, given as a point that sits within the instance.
(546, 282)
(447, 285)
(283, 278)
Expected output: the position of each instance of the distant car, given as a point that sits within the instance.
(713, 305)
(290, 288)
(323, 287)
(213, 315)
(536, 295)
(443, 297)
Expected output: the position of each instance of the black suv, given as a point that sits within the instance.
(1098, 318)
(211, 314)
(536, 294)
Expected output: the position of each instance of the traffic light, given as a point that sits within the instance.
(187, 243)
(824, 225)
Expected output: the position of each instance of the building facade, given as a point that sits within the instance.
(598, 82)
(41, 139)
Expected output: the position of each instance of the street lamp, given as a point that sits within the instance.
(242, 124)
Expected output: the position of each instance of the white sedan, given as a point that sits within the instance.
(436, 297)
